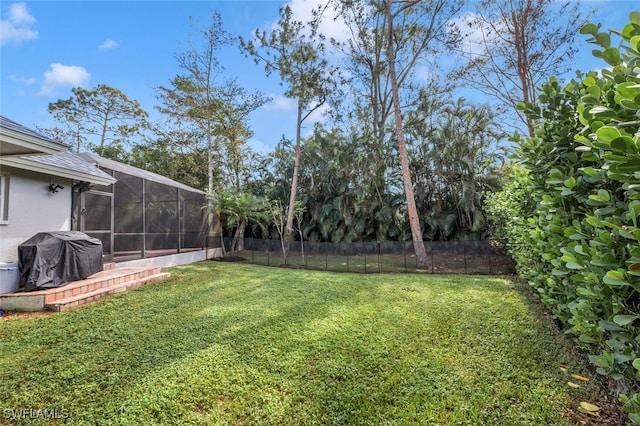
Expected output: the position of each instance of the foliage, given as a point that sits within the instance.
(522, 44)
(580, 249)
(394, 15)
(391, 39)
(345, 200)
(456, 157)
(242, 209)
(277, 214)
(174, 156)
(101, 119)
(222, 343)
(509, 208)
(235, 210)
(336, 188)
(234, 104)
(350, 176)
(193, 98)
(422, 32)
(295, 50)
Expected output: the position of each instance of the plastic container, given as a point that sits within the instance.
(9, 278)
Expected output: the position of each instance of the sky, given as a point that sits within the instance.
(49, 47)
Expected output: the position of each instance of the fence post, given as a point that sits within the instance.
(432, 262)
(464, 255)
(365, 257)
(490, 255)
(404, 253)
(379, 259)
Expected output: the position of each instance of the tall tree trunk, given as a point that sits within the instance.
(288, 230)
(414, 221)
(238, 239)
(210, 215)
(524, 67)
(214, 225)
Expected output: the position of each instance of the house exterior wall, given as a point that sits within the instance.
(32, 209)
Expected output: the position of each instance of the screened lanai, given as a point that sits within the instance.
(142, 215)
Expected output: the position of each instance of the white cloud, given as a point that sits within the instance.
(476, 31)
(16, 27)
(19, 14)
(472, 34)
(108, 44)
(318, 115)
(29, 81)
(332, 26)
(63, 76)
(259, 146)
(425, 73)
(280, 103)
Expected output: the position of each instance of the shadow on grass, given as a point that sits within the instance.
(224, 343)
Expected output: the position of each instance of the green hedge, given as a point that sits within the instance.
(572, 214)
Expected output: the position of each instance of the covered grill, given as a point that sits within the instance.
(53, 259)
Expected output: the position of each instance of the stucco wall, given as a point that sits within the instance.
(33, 209)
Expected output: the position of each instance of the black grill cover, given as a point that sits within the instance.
(53, 259)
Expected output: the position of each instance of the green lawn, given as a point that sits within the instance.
(224, 343)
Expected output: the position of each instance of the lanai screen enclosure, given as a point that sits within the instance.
(142, 215)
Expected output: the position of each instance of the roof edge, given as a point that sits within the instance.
(26, 164)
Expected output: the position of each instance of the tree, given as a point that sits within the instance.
(172, 153)
(102, 119)
(295, 50)
(340, 203)
(457, 158)
(390, 40)
(277, 215)
(230, 126)
(422, 31)
(57, 134)
(242, 208)
(299, 213)
(522, 43)
(414, 221)
(192, 96)
(217, 204)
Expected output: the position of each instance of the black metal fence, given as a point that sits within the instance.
(443, 257)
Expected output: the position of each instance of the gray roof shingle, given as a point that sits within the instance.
(69, 161)
(10, 124)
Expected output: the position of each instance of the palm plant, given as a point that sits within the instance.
(217, 203)
(241, 209)
(238, 209)
(457, 160)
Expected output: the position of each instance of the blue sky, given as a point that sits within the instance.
(48, 47)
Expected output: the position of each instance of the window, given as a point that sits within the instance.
(4, 198)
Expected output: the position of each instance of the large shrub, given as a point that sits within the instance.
(579, 245)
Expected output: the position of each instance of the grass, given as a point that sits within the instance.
(230, 344)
